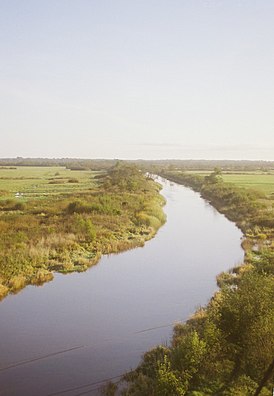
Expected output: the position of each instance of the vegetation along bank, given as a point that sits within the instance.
(227, 347)
(57, 219)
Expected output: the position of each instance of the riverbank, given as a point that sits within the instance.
(121, 307)
(59, 221)
(247, 209)
(225, 348)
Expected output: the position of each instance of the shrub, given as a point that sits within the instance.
(19, 206)
(56, 181)
(41, 277)
(3, 291)
(84, 227)
(17, 282)
(78, 207)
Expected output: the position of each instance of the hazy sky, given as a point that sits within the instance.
(137, 78)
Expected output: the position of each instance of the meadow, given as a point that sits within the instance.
(262, 181)
(57, 219)
(40, 182)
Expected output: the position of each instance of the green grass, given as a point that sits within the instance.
(41, 182)
(258, 180)
(55, 219)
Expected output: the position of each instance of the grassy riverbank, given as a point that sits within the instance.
(227, 347)
(256, 180)
(57, 219)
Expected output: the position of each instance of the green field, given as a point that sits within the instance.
(39, 182)
(256, 181)
(260, 181)
(56, 219)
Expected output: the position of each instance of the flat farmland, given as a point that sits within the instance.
(252, 180)
(263, 182)
(26, 182)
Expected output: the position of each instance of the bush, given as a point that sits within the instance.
(84, 227)
(17, 282)
(56, 181)
(19, 206)
(78, 207)
(3, 291)
(41, 277)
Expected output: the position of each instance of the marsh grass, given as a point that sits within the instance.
(52, 227)
(4, 290)
(16, 283)
(41, 276)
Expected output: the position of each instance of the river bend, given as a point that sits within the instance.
(83, 328)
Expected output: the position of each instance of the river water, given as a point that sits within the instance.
(66, 336)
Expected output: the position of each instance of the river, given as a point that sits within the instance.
(68, 335)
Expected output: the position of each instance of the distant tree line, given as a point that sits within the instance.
(69, 163)
(96, 164)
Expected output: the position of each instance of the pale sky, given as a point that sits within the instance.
(137, 79)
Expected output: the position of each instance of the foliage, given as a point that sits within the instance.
(67, 229)
(227, 347)
(223, 350)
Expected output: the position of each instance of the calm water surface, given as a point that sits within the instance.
(83, 328)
